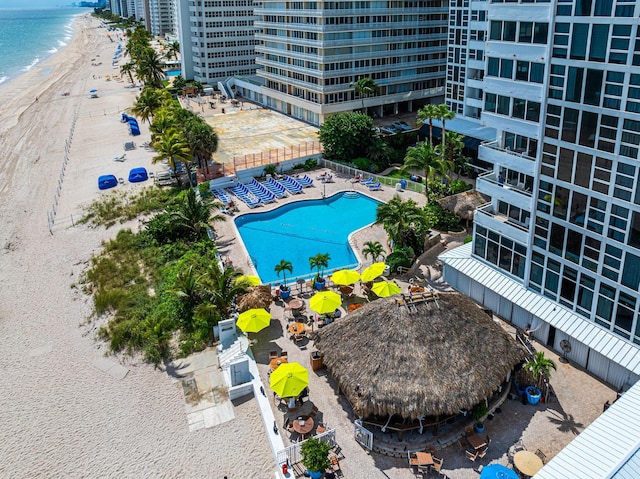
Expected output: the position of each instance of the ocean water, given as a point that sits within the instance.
(30, 36)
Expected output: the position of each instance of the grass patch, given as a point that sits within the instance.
(119, 206)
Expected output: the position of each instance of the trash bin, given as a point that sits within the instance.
(398, 187)
(403, 183)
(316, 361)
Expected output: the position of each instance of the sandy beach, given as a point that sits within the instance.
(64, 414)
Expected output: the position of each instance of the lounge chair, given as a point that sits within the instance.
(305, 181)
(328, 179)
(374, 186)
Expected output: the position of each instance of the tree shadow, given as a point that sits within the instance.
(566, 422)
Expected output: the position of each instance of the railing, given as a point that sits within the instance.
(487, 209)
(384, 180)
(491, 178)
(292, 454)
(494, 146)
(268, 157)
(292, 280)
(51, 215)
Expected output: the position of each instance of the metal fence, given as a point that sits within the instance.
(51, 215)
(292, 453)
(278, 155)
(384, 180)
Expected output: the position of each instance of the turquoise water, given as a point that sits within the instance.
(29, 36)
(299, 230)
(173, 73)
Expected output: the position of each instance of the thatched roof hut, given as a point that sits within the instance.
(436, 361)
(256, 297)
(463, 204)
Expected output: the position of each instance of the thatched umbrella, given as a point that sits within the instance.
(389, 360)
(257, 297)
(464, 204)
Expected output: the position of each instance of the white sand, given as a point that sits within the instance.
(62, 416)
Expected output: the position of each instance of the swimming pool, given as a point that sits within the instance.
(297, 231)
(173, 73)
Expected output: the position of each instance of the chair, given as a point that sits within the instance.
(472, 455)
(273, 354)
(314, 411)
(413, 458)
(321, 428)
(437, 464)
(541, 455)
(335, 464)
(284, 354)
(483, 452)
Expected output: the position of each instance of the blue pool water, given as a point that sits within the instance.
(299, 230)
(173, 73)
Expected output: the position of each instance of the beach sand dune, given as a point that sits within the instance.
(63, 415)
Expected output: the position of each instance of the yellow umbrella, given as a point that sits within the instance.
(249, 279)
(254, 320)
(325, 302)
(372, 272)
(289, 380)
(345, 276)
(385, 288)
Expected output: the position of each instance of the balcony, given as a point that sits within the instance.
(515, 195)
(502, 224)
(518, 159)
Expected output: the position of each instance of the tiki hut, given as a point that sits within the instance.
(256, 297)
(434, 360)
(464, 204)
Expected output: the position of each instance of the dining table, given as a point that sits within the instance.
(296, 328)
(303, 425)
(527, 463)
(424, 458)
(476, 441)
(275, 362)
(296, 304)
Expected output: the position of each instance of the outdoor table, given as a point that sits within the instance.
(303, 425)
(296, 328)
(275, 362)
(476, 441)
(424, 459)
(527, 463)
(301, 284)
(296, 304)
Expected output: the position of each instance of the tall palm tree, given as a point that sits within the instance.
(173, 50)
(221, 288)
(364, 87)
(128, 69)
(172, 146)
(149, 68)
(282, 267)
(148, 103)
(425, 157)
(444, 114)
(202, 139)
(187, 288)
(397, 217)
(428, 112)
(195, 215)
(540, 367)
(373, 249)
(454, 146)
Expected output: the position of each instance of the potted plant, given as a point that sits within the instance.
(479, 412)
(319, 262)
(315, 457)
(282, 267)
(539, 367)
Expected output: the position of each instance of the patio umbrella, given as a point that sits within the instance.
(385, 288)
(251, 280)
(345, 276)
(372, 272)
(325, 302)
(289, 380)
(498, 471)
(254, 320)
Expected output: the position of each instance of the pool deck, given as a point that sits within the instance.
(548, 427)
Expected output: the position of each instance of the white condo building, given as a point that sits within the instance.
(310, 51)
(557, 249)
(217, 39)
(163, 17)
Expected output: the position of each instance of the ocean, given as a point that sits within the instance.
(30, 36)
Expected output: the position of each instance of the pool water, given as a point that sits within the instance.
(300, 230)
(173, 73)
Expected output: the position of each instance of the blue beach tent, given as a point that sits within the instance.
(107, 181)
(136, 175)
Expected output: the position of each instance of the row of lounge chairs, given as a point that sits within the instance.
(255, 193)
(372, 184)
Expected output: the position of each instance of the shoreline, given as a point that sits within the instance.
(66, 411)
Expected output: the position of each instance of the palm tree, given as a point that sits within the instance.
(172, 146)
(202, 139)
(194, 215)
(444, 114)
(397, 217)
(221, 288)
(187, 287)
(454, 146)
(425, 157)
(373, 249)
(319, 262)
(282, 267)
(540, 367)
(148, 103)
(428, 112)
(127, 69)
(364, 87)
(173, 49)
(149, 68)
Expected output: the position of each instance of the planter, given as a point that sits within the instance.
(533, 395)
(315, 475)
(479, 427)
(319, 283)
(284, 294)
(520, 389)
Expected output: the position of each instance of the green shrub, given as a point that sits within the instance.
(363, 164)
(468, 239)
(445, 219)
(310, 164)
(458, 186)
(400, 257)
(205, 189)
(270, 169)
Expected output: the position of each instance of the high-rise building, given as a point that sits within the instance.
(163, 17)
(310, 51)
(217, 38)
(557, 250)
